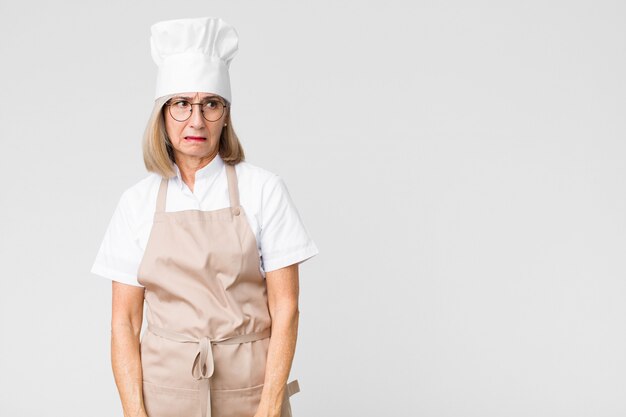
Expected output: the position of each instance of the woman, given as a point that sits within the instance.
(212, 244)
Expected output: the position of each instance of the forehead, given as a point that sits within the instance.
(192, 95)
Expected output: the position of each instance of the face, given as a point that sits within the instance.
(196, 137)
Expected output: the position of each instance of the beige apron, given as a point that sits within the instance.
(205, 348)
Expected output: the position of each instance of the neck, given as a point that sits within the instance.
(188, 165)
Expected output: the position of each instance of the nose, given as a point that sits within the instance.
(196, 120)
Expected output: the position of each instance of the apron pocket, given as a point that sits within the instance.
(236, 402)
(162, 401)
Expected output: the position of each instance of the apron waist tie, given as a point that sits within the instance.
(203, 365)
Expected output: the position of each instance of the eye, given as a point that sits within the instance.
(211, 104)
(181, 104)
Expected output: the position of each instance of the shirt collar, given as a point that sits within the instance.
(208, 171)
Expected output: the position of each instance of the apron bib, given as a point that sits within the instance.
(205, 348)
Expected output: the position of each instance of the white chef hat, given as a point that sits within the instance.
(193, 55)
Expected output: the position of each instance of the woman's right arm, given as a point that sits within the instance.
(126, 319)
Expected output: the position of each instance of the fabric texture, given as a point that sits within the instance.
(193, 55)
(209, 328)
(282, 238)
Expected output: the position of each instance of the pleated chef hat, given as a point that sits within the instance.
(193, 55)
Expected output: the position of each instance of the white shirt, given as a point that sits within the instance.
(281, 236)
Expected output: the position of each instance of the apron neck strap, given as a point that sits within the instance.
(160, 207)
(233, 189)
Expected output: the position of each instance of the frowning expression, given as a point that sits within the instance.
(196, 136)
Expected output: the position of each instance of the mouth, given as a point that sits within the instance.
(195, 138)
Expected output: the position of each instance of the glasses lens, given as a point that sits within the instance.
(213, 110)
(180, 110)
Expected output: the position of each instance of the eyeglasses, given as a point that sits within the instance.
(181, 109)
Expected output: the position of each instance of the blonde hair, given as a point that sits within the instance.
(158, 154)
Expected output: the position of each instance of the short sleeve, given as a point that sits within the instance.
(119, 255)
(284, 238)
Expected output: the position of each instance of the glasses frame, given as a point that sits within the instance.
(172, 101)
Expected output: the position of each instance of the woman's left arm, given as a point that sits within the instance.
(282, 297)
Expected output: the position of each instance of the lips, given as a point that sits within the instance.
(200, 138)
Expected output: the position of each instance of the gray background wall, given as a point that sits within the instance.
(459, 164)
